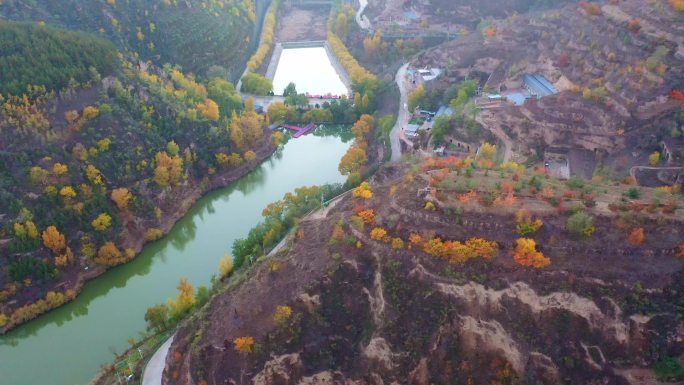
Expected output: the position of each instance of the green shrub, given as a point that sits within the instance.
(669, 369)
(633, 193)
(581, 223)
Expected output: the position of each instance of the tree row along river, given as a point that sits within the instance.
(68, 345)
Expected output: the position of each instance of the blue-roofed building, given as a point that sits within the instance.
(538, 86)
(517, 98)
(444, 110)
(412, 131)
(411, 15)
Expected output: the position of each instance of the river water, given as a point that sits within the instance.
(68, 345)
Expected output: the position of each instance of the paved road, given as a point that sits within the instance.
(155, 367)
(268, 100)
(402, 115)
(361, 19)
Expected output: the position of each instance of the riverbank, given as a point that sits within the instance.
(111, 309)
(173, 211)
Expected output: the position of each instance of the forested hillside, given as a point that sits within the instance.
(99, 154)
(40, 55)
(192, 33)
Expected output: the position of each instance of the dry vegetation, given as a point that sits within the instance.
(432, 273)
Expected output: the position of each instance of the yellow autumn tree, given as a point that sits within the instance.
(487, 151)
(654, 158)
(250, 156)
(153, 234)
(94, 175)
(64, 259)
(60, 169)
(90, 113)
(226, 265)
(353, 160)
(102, 223)
(31, 230)
(282, 314)
(67, 192)
(37, 175)
(364, 191)
(184, 300)
(109, 255)
(168, 170)
(209, 109)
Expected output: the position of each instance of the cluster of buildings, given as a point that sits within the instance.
(535, 86)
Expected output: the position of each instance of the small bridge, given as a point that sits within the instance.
(299, 131)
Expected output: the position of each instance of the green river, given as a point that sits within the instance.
(68, 346)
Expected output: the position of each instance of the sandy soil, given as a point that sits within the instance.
(299, 24)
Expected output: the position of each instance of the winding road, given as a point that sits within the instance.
(402, 115)
(155, 366)
(361, 19)
(501, 135)
(633, 170)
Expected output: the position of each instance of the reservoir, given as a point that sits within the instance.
(310, 70)
(68, 345)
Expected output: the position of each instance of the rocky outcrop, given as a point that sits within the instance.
(283, 370)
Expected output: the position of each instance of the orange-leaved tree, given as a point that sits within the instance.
(636, 237)
(367, 216)
(378, 234)
(244, 345)
(680, 251)
(121, 196)
(526, 254)
(415, 239)
(53, 239)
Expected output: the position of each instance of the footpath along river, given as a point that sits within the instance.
(67, 346)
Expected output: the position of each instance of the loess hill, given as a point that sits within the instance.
(615, 65)
(433, 275)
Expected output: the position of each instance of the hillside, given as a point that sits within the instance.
(93, 164)
(433, 274)
(610, 77)
(193, 34)
(55, 57)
